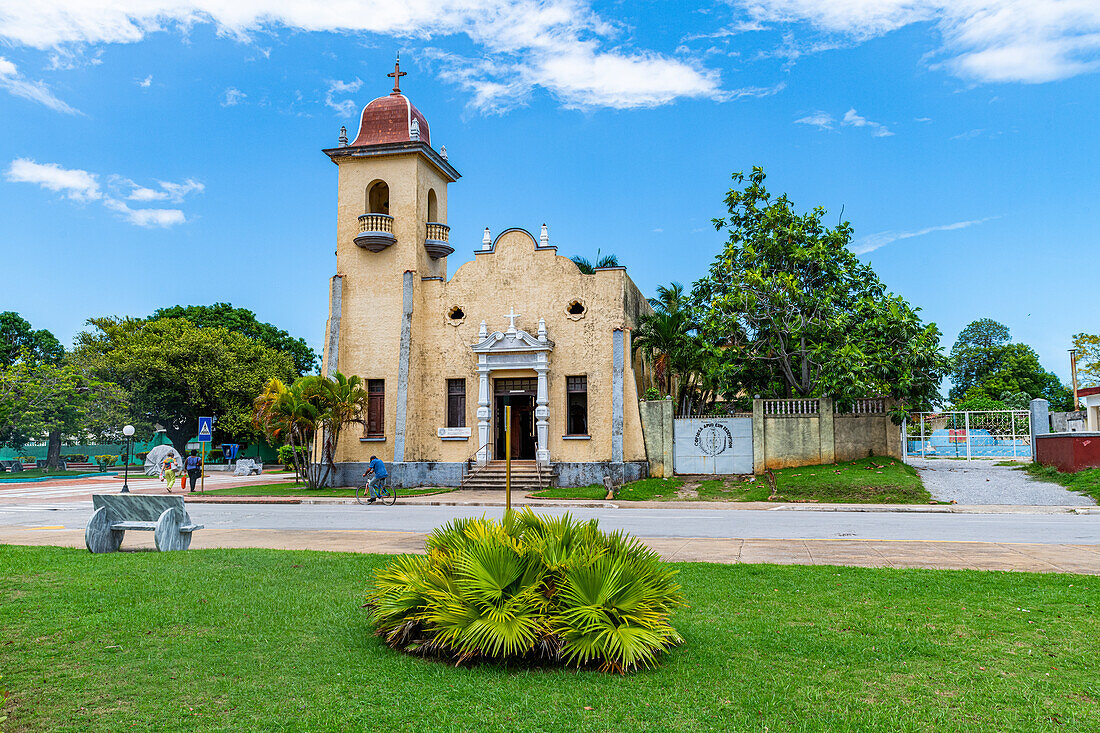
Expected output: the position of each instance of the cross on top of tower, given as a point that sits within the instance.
(397, 74)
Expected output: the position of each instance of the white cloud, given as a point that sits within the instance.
(1029, 41)
(562, 46)
(146, 82)
(873, 241)
(825, 121)
(344, 107)
(852, 119)
(968, 135)
(80, 185)
(232, 96)
(150, 218)
(168, 191)
(76, 184)
(819, 119)
(36, 91)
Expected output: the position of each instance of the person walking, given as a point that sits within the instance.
(194, 468)
(170, 470)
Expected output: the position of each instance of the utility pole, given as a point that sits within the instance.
(1073, 375)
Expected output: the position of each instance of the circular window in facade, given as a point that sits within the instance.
(575, 310)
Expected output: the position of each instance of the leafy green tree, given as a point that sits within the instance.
(985, 362)
(173, 372)
(19, 341)
(39, 398)
(1088, 359)
(786, 297)
(975, 354)
(243, 321)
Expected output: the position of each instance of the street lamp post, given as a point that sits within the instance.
(128, 431)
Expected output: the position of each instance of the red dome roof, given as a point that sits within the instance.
(387, 120)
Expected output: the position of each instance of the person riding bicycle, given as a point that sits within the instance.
(379, 470)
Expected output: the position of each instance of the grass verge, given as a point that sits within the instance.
(258, 640)
(300, 490)
(38, 473)
(1085, 482)
(866, 481)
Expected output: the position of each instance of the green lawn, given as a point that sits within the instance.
(866, 481)
(1086, 482)
(265, 640)
(293, 489)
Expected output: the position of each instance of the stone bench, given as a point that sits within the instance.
(164, 516)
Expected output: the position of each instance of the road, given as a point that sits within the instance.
(670, 522)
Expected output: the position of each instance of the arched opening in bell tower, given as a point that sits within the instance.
(433, 206)
(378, 198)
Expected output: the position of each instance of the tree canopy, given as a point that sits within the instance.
(18, 340)
(790, 308)
(174, 371)
(244, 321)
(43, 393)
(1088, 359)
(984, 363)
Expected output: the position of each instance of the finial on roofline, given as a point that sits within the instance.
(343, 136)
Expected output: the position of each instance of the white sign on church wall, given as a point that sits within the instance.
(453, 433)
(720, 445)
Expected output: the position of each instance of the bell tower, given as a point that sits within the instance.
(391, 235)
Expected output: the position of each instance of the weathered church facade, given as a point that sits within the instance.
(443, 356)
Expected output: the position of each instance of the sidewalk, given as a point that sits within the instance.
(862, 553)
(496, 499)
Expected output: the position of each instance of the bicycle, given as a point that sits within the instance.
(383, 494)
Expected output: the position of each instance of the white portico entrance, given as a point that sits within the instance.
(512, 350)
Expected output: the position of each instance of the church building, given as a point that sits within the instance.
(443, 355)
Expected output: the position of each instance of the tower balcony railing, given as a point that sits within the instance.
(436, 240)
(375, 232)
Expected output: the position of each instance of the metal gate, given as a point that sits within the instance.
(967, 435)
(714, 445)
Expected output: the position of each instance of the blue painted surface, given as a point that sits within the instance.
(945, 443)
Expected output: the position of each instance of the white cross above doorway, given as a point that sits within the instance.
(512, 316)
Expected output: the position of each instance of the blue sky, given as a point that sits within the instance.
(159, 152)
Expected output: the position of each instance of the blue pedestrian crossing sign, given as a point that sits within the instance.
(206, 429)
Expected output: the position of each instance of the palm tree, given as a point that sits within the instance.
(586, 267)
(312, 405)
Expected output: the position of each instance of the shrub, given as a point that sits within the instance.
(75, 458)
(105, 461)
(26, 459)
(529, 588)
(286, 457)
(652, 394)
(141, 455)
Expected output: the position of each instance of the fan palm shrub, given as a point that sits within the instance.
(529, 588)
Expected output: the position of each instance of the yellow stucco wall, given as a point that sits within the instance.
(537, 282)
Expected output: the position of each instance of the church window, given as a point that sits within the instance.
(577, 405)
(456, 403)
(456, 313)
(378, 198)
(433, 206)
(575, 308)
(376, 408)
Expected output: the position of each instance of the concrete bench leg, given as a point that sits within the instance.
(99, 537)
(167, 535)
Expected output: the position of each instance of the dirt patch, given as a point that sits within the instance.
(688, 491)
